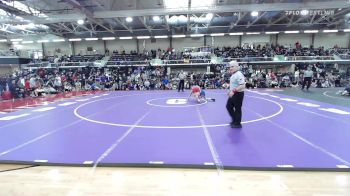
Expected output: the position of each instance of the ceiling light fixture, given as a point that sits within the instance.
(143, 37)
(27, 42)
(75, 40)
(125, 37)
(91, 39)
(42, 41)
(330, 31)
(178, 36)
(311, 31)
(128, 19)
(108, 38)
(156, 18)
(161, 36)
(254, 13)
(172, 4)
(304, 12)
(217, 34)
(240, 33)
(16, 40)
(209, 16)
(253, 33)
(291, 32)
(196, 35)
(80, 22)
(31, 25)
(58, 40)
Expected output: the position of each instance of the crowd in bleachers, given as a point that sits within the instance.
(80, 58)
(322, 78)
(66, 58)
(343, 53)
(225, 52)
(169, 56)
(145, 76)
(172, 56)
(46, 81)
(258, 52)
(10, 52)
(263, 51)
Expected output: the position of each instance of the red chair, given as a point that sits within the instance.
(6, 95)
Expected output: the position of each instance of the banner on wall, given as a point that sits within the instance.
(156, 62)
(278, 58)
(217, 60)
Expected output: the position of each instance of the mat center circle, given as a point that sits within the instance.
(174, 102)
(86, 118)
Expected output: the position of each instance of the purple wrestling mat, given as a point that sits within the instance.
(164, 129)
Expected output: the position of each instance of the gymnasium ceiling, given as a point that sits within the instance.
(103, 18)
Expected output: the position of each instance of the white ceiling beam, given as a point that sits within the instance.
(188, 26)
(88, 14)
(225, 8)
(81, 26)
(74, 27)
(52, 18)
(55, 33)
(298, 20)
(4, 29)
(57, 26)
(264, 25)
(256, 20)
(240, 16)
(211, 20)
(277, 20)
(204, 27)
(344, 11)
(143, 21)
(66, 28)
(188, 29)
(24, 30)
(290, 21)
(336, 22)
(166, 18)
(123, 24)
(312, 19)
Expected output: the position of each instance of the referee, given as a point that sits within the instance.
(236, 95)
(181, 76)
(307, 78)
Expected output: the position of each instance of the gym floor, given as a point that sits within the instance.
(283, 129)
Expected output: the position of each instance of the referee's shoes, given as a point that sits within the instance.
(235, 125)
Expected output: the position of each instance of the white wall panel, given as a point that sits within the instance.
(329, 40)
(121, 45)
(253, 39)
(291, 39)
(225, 41)
(81, 47)
(146, 44)
(51, 47)
(321, 39)
(4, 46)
(180, 43)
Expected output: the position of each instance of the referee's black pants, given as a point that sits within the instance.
(234, 107)
(181, 85)
(308, 81)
